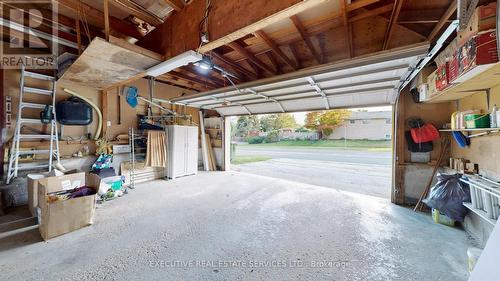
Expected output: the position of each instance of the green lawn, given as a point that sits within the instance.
(350, 144)
(248, 159)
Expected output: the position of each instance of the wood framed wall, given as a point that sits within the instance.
(410, 178)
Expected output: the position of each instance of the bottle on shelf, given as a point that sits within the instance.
(493, 117)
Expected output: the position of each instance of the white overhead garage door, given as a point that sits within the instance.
(365, 81)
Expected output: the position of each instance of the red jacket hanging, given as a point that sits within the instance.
(425, 133)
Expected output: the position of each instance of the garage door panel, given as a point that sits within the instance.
(313, 103)
(264, 108)
(288, 90)
(231, 110)
(350, 83)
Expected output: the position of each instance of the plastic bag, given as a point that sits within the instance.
(448, 195)
(103, 161)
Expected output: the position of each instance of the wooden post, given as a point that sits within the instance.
(104, 109)
(78, 36)
(106, 19)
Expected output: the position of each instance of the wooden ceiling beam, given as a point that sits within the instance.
(210, 75)
(245, 72)
(274, 62)
(360, 4)
(170, 80)
(167, 81)
(295, 54)
(229, 21)
(275, 48)
(392, 23)
(371, 13)
(347, 28)
(444, 19)
(305, 37)
(196, 80)
(138, 11)
(249, 56)
(115, 24)
(106, 19)
(177, 5)
(255, 68)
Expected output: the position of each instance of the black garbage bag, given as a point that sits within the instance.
(448, 195)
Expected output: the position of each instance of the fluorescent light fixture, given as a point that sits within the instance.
(205, 63)
(173, 63)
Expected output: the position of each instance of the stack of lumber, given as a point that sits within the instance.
(142, 172)
(212, 163)
(156, 153)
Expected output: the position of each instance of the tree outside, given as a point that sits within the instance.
(247, 124)
(273, 122)
(330, 118)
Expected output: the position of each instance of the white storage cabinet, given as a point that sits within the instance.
(182, 151)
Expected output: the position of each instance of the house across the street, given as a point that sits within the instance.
(369, 125)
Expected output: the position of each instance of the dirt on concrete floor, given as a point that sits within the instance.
(235, 226)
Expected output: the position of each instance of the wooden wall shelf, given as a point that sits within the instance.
(475, 81)
(470, 130)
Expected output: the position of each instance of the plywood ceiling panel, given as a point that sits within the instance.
(104, 64)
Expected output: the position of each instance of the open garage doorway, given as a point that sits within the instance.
(363, 83)
(345, 149)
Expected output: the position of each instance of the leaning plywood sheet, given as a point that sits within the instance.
(104, 64)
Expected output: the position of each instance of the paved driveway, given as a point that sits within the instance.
(361, 171)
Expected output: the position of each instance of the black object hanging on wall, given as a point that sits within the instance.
(74, 112)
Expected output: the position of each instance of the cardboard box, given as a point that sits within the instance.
(431, 85)
(483, 18)
(423, 92)
(33, 187)
(60, 217)
(478, 50)
(442, 76)
(453, 68)
(422, 76)
(33, 191)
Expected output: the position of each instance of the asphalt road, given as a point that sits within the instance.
(361, 171)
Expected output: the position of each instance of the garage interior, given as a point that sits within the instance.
(116, 139)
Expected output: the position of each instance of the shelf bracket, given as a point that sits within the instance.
(487, 92)
(464, 12)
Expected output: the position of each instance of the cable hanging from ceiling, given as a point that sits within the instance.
(203, 25)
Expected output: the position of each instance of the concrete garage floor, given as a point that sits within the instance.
(361, 171)
(236, 226)
(370, 179)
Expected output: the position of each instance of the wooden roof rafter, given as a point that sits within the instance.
(305, 37)
(295, 54)
(115, 24)
(398, 4)
(251, 57)
(198, 81)
(371, 13)
(245, 73)
(274, 62)
(275, 48)
(138, 11)
(444, 19)
(347, 28)
(177, 5)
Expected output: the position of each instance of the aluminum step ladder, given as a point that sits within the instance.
(53, 150)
